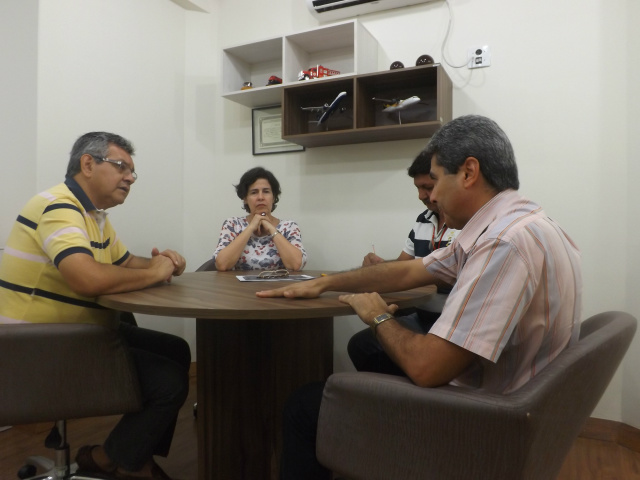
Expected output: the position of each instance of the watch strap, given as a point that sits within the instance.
(383, 317)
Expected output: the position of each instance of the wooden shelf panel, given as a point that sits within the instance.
(363, 119)
(365, 135)
(257, 97)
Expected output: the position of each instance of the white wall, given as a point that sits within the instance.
(18, 87)
(562, 84)
(120, 68)
(631, 378)
(79, 66)
(558, 85)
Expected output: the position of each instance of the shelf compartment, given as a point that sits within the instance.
(253, 63)
(315, 94)
(395, 85)
(347, 47)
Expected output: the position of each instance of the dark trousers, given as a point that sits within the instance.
(162, 362)
(300, 416)
(300, 426)
(366, 353)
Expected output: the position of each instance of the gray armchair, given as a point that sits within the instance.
(55, 372)
(375, 426)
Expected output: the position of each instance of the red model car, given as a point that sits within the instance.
(273, 80)
(317, 72)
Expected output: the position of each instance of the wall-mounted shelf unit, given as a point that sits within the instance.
(347, 47)
(363, 120)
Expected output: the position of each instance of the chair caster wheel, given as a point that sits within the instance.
(27, 471)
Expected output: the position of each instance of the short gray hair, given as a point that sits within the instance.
(95, 144)
(481, 138)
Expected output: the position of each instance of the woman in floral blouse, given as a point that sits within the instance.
(259, 241)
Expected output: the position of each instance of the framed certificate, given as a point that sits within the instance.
(267, 132)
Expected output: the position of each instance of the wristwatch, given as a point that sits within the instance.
(378, 320)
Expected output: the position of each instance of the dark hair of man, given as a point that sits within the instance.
(252, 176)
(421, 165)
(95, 144)
(481, 138)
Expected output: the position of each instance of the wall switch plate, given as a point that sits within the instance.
(479, 57)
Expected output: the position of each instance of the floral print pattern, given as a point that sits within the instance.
(260, 253)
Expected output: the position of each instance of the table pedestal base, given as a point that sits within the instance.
(246, 371)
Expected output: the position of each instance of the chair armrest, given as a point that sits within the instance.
(368, 420)
(52, 372)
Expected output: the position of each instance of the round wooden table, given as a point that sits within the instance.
(251, 354)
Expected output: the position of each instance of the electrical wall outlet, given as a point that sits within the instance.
(479, 57)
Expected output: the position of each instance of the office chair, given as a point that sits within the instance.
(208, 266)
(376, 427)
(55, 372)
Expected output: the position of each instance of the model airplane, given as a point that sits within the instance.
(327, 110)
(397, 105)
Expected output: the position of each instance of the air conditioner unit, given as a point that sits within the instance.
(327, 10)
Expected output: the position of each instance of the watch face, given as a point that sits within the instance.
(381, 318)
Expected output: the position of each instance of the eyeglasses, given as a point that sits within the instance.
(122, 166)
(274, 274)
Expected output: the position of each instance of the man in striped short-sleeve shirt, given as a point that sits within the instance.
(61, 254)
(430, 232)
(516, 302)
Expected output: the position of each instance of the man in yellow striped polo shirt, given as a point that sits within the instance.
(61, 254)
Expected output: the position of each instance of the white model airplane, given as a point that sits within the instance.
(397, 105)
(327, 110)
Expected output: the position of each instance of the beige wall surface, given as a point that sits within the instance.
(18, 80)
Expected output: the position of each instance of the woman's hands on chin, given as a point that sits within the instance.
(261, 224)
(266, 226)
(255, 224)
